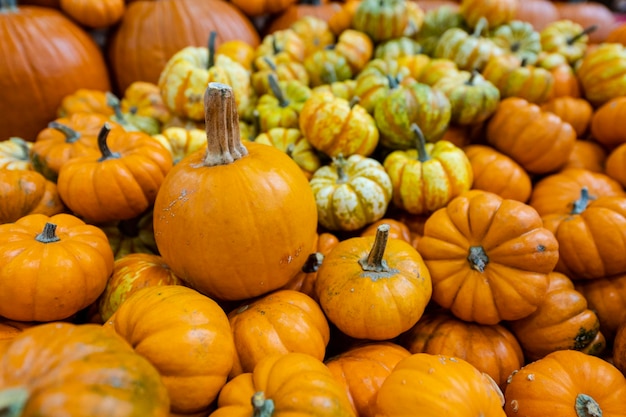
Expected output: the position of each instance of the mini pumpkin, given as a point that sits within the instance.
(293, 143)
(615, 163)
(27, 192)
(496, 12)
(381, 20)
(15, 154)
(588, 155)
(604, 120)
(602, 73)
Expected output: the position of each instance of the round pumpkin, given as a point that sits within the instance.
(27, 192)
(615, 163)
(15, 154)
(602, 73)
(497, 12)
(575, 111)
(588, 155)
(94, 14)
(604, 121)
(607, 298)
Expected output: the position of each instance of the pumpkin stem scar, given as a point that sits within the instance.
(262, 406)
(13, 401)
(477, 258)
(374, 261)
(587, 406)
(104, 146)
(48, 235)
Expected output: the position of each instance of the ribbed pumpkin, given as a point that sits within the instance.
(575, 111)
(497, 12)
(207, 241)
(14, 154)
(94, 14)
(615, 163)
(27, 192)
(602, 73)
(588, 155)
(604, 120)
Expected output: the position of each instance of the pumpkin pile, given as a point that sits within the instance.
(371, 208)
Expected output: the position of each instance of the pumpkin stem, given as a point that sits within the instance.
(256, 124)
(340, 164)
(262, 406)
(515, 46)
(222, 126)
(12, 400)
(392, 81)
(422, 154)
(289, 150)
(271, 64)
(472, 77)
(48, 235)
(8, 6)
(277, 91)
(477, 258)
(275, 47)
(211, 48)
(329, 75)
(480, 26)
(103, 146)
(354, 101)
(587, 406)
(585, 31)
(114, 103)
(24, 146)
(313, 262)
(71, 135)
(374, 261)
(524, 62)
(581, 204)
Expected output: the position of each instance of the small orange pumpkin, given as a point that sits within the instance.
(27, 192)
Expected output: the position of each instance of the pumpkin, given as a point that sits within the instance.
(284, 67)
(131, 121)
(196, 332)
(615, 163)
(131, 236)
(84, 100)
(261, 7)
(27, 192)
(341, 20)
(565, 80)
(356, 47)
(285, 43)
(486, 267)
(616, 35)
(589, 14)
(381, 20)
(66, 138)
(278, 323)
(144, 99)
(557, 193)
(181, 142)
(539, 13)
(130, 274)
(495, 172)
(492, 349)
(396, 48)
(326, 66)
(397, 229)
(362, 370)
(373, 287)
(304, 16)
(15, 154)
(520, 39)
(562, 321)
(342, 89)
(377, 79)
(619, 349)
(603, 123)
(134, 161)
(63, 266)
(239, 51)
(587, 154)
(34, 66)
(602, 73)
(566, 38)
(351, 193)
(575, 111)
(94, 14)
(293, 143)
(436, 21)
(204, 239)
(435, 385)
(587, 386)
(142, 19)
(592, 237)
(78, 370)
(284, 384)
(9, 329)
(607, 298)
(426, 178)
(282, 105)
(496, 12)
(537, 140)
(336, 126)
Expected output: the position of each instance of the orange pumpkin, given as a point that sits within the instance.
(9, 329)
(27, 192)
(185, 335)
(619, 348)
(575, 111)
(604, 121)
(94, 14)
(615, 163)
(85, 100)
(607, 298)
(539, 13)
(588, 155)
(489, 257)
(496, 12)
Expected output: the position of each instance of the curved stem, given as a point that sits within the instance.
(374, 261)
(262, 406)
(222, 126)
(587, 406)
(477, 258)
(340, 164)
(271, 64)
(13, 400)
(524, 62)
(581, 204)
(313, 262)
(277, 91)
(585, 31)
(480, 26)
(48, 235)
(275, 47)
(71, 135)
(24, 146)
(354, 101)
(103, 146)
(422, 154)
(114, 103)
(211, 47)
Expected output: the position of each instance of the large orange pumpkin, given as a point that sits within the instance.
(45, 56)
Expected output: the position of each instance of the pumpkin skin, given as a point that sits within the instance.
(566, 38)
(14, 154)
(356, 47)
(131, 236)
(377, 78)
(80, 370)
(351, 193)
(9, 329)
(133, 161)
(537, 140)
(389, 273)
(261, 7)
(27, 192)
(472, 241)
(615, 163)
(520, 39)
(362, 370)
(430, 386)
(381, 21)
(294, 144)
(603, 122)
(588, 155)
(619, 349)
(495, 172)
(283, 385)
(188, 220)
(436, 21)
(607, 298)
(584, 382)
(280, 322)
(181, 142)
(575, 111)
(492, 349)
(30, 53)
(497, 12)
(66, 260)
(602, 72)
(239, 51)
(94, 14)
(131, 273)
(185, 335)
(85, 100)
(562, 321)
(566, 82)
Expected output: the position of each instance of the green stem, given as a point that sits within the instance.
(422, 154)
(480, 26)
(392, 81)
(581, 204)
(313, 263)
(587, 406)
(48, 235)
(71, 135)
(270, 63)
(103, 146)
(12, 400)
(340, 164)
(114, 103)
(586, 31)
(275, 47)
(211, 47)
(354, 101)
(477, 258)
(374, 261)
(277, 91)
(262, 406)
(23, 146)
(472, 78)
